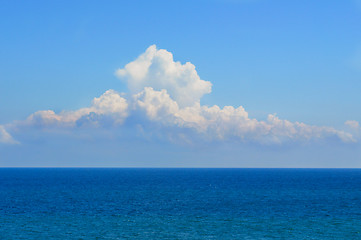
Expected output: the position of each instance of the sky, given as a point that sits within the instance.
(233, 83)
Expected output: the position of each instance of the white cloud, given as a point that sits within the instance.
(166, 94)
(157, 105)
(5, 137)
(110, 104)
(157, 69)
(352, 124)
(214, 123)
(354, 127)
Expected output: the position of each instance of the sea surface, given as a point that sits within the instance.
(88, 203)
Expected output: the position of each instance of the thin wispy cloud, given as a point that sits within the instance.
(5, 137)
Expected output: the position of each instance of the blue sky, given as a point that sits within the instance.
(300, 60)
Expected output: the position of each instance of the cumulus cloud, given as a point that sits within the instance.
(167, 94)
(157, 69)
(110, 105)
(5, 137)
(215, 123)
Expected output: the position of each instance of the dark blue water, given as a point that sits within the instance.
(180, 204)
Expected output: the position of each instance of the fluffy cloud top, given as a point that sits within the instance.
(157, 69)
(167, 94)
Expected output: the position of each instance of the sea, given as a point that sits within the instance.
(135, 203)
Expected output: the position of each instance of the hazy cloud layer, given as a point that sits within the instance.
(354, 128)
(166, 94)
(352, 124)
(5, 137)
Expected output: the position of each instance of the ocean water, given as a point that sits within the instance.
(180, 204)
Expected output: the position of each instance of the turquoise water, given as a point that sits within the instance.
(180, 204)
